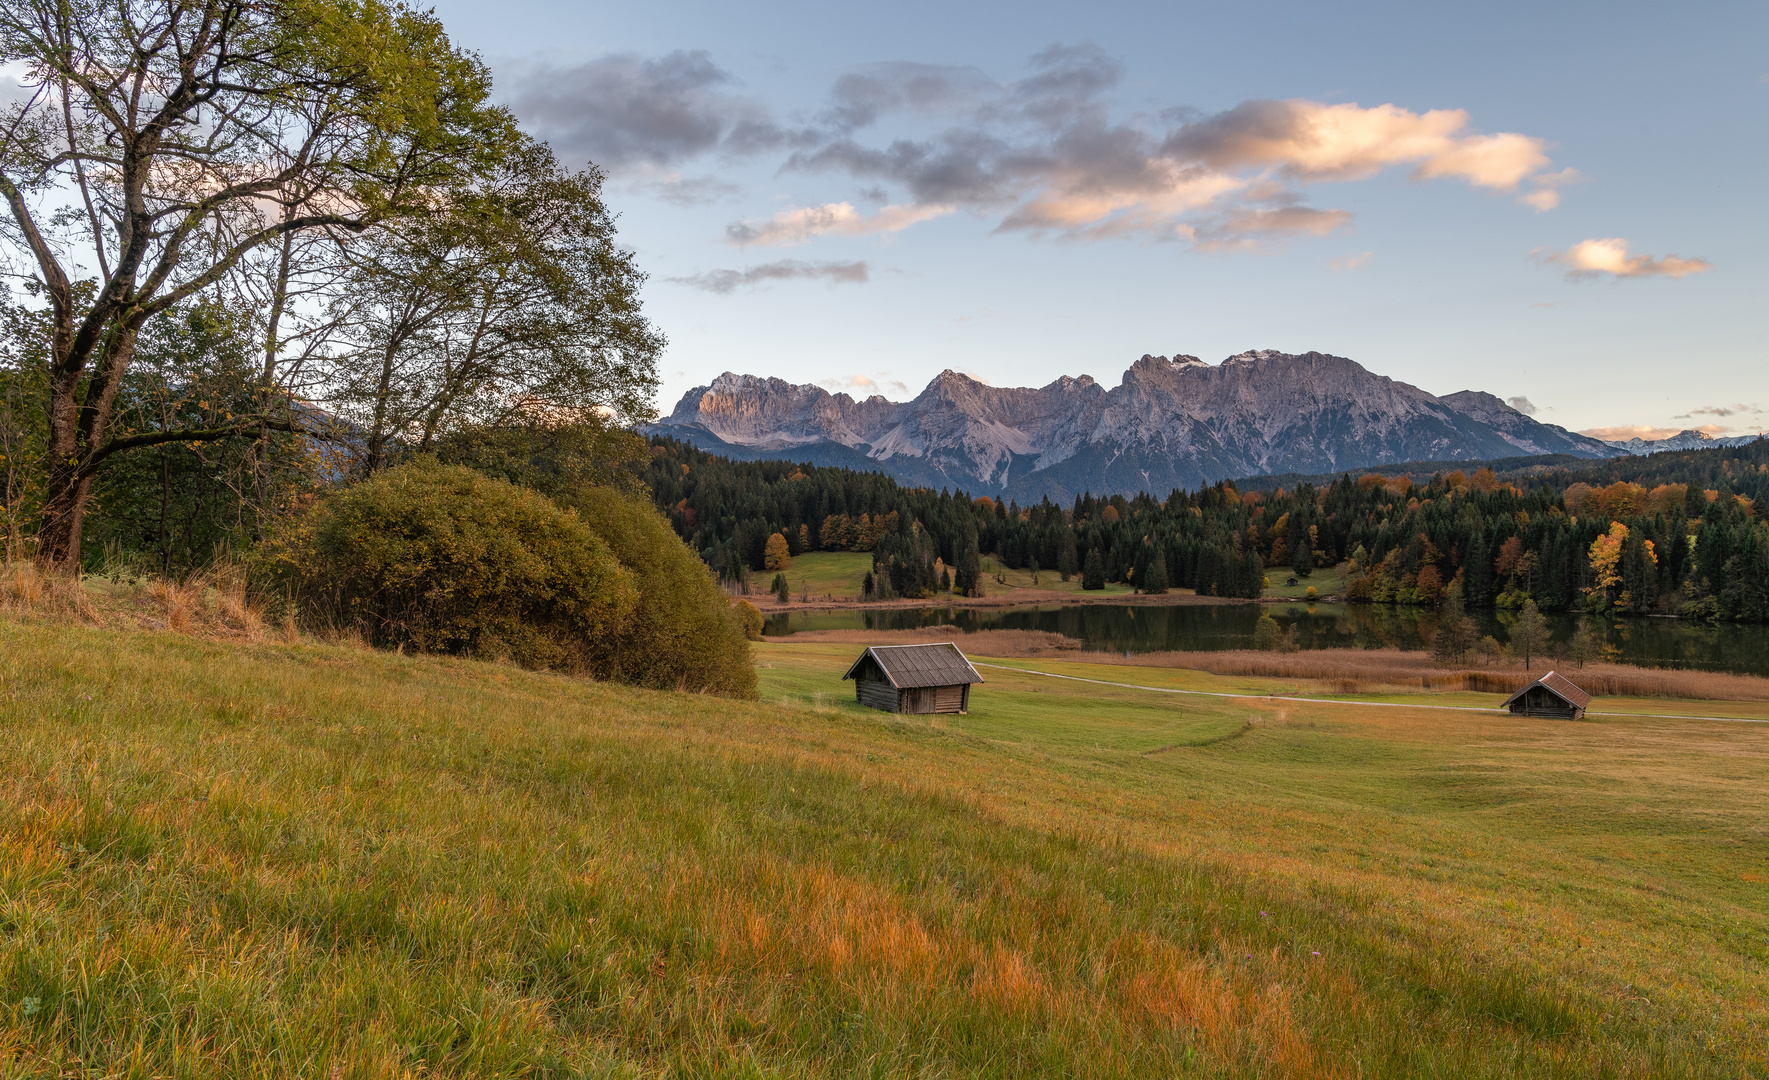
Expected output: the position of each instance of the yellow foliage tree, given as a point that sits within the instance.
(1606, 559)
(776, 556)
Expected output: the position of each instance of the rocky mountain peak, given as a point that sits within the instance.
(1170, 423)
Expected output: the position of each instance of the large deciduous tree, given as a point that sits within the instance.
(157, 144)
(510, 302)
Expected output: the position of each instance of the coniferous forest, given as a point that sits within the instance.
(1676, 534)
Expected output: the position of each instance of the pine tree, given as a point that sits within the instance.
(867, 586)
(1155, 577)
(945, 580)
(782, 590)
(1093, 572)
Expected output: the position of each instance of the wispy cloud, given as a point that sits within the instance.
(1595, 258)
(1350, 262)
(729, 281)
(801, 225)
(1522, 405)
(1721, 411)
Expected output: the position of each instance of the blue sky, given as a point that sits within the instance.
(1561, 203)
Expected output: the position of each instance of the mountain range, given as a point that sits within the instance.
(1170, 423)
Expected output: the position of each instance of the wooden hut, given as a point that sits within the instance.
(1550, 696)
(914, 678)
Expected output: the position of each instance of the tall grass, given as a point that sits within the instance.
(1369, 670)
(258, 859)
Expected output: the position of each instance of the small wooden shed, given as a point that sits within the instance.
(1551, 696)
(914, 678)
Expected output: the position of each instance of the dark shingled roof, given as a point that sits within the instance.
(1557, 684)
(911, 666)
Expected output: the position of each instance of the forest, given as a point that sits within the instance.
(1642, 535)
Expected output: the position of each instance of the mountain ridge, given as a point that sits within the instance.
(1170, 423)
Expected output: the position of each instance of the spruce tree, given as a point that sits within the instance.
(1155, 577)
(1093, 572)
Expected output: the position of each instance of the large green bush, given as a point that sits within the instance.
(684, 632)
(443, 558)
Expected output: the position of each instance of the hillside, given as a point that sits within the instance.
(1178, 423)
(300, 860)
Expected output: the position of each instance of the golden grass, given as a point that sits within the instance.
(225, 858)
(1371, 670)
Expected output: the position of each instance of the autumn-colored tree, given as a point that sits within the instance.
(1483, 480)
(1606, 557)
(776, 556)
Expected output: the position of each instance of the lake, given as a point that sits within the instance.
(1648, 642)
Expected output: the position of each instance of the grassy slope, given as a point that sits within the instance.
(827, 573)
(1327, 581)
(1047, 579)
(300, 860)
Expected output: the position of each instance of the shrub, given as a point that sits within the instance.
(750, 618)
(442, 558)
(684, 634)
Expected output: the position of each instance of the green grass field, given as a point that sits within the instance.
(838, 574)
(304, 860)
(1326, 580)
(994, 572)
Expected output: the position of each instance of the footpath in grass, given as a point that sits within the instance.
(299, 860)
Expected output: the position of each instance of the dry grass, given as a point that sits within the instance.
(416, 866)
(216, 603)
(1370, 670)
(1345, 671)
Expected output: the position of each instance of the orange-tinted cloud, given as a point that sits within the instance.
(800, 225)
(1594, 258)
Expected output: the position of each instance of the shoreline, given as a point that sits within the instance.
(768, 605)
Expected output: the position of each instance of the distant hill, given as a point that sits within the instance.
(1178, 423)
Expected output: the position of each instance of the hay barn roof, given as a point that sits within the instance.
(911, 666)
(1558, 685)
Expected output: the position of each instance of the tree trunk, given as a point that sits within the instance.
(76, 431)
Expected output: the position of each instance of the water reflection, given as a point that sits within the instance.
(1650, 642)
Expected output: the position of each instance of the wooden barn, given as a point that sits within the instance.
(1550, 696)
(914, 678)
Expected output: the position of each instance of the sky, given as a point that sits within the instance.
(1560, 204)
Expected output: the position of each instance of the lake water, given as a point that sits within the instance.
(1648, 642)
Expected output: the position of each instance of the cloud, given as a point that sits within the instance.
(1594, 258)
(1351, 262)
(626, 112)
(1625, 432)
(1310, 141)
(1720, 410)
(1522, 405)
(1553, 304)
(1046, 154)
(862, 385)
(1049, 153)
(726, 282)
(790, 228)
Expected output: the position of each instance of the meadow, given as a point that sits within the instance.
(285, 858)
(1325, 581)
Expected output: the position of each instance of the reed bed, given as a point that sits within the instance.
(1372, 670)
